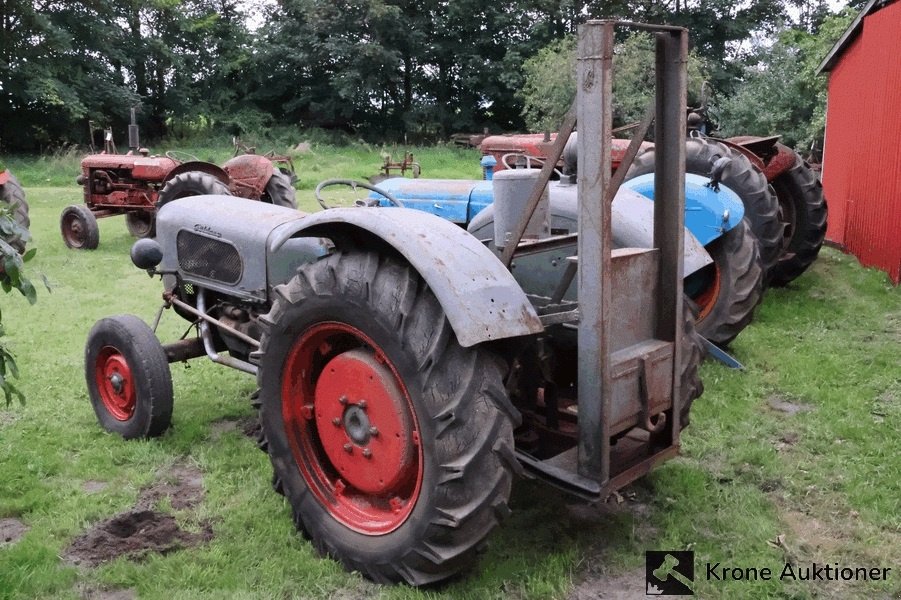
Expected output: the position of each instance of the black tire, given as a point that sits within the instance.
(79, 228)
(279, 191)
(730, 289)
(743, 178)
(800, 195)
(13, 194)
(192, 183)
(141, 224)
(690, 385)
(137, 404)
(455, 400)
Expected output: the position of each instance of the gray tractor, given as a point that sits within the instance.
(405, 373)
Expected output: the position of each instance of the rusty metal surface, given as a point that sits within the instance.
(481, 299)
(4, 177)
(150, 168)
(862, 164)
(248, 175)
(537, 144)
(765, 153)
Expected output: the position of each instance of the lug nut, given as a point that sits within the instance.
(362, 404)
(348, 448)
(374, 431)
(336, 422)
(343, 399)
(367, 453)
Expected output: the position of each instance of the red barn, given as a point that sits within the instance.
(862, 157)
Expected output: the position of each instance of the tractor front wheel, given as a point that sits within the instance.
(803, 207)
(727, 291)
(79, 229)
(128, 378)
(141, 224)
(279, 190)
(392, 443)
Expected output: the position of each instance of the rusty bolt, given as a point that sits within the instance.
(362, 404)
(336, 422)
(343, 399)
(348, 448)
(367, 453)
(373, 431)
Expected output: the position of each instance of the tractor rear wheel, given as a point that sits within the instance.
(392, 443)
(743, 178)
(128, 378)
(11, 193)
(141, 224)
(279, 190)
(690, 385)
(79, 228)
(803, 207)
(192, 183)
(727, 291)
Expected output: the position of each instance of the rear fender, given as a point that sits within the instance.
(248, 175)
(201, 166)
(480, 297)
(708, 213)
(769, 156)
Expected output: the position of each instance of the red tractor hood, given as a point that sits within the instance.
(147, 168)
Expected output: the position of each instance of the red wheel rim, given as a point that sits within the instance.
(706, 299)
(352, 428)
(115, 383)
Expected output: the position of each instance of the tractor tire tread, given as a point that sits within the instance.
(13, 194)
(279, 190)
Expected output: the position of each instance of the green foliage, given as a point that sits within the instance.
(549, 87)
(12, 276)
(781, 91)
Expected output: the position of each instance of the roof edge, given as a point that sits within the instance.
(850, 35)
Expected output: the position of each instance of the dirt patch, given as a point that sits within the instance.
(786, 405)
(144, 529)
(11, 531)
(132, 534)
(93, 486)
(605, 586)
(93, 593)
(182, 484)
(7, 418)
(248, 426)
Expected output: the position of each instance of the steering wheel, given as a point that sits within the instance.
(351, 195)
(179, 156)
(538, 160)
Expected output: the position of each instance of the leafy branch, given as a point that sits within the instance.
(12, 276)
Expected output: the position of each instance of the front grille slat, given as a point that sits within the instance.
(209, 258)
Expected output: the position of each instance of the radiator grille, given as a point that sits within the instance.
(209, 258)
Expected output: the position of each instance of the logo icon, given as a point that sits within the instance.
(669, 573)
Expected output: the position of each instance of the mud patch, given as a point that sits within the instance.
(248, 426)
(786, 405)
(94, 593)
(11, 531)
(132, 534)
(92, 486)
(7, 418)
(142, 530)
(602, 585)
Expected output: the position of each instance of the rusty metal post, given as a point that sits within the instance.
(594, 81)
(669, 196)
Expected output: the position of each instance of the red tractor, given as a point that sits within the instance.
(13, 196)
(136, 184)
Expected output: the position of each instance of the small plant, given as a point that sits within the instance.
(12, 276)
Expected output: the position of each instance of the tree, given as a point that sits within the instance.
(781, 92)
(549, 87)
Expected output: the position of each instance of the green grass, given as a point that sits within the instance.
(826, 479)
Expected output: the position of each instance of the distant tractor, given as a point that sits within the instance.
(136, 184)
(406, 371)
(13, 196)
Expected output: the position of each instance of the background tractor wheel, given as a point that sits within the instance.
(11, 193)
(279, 190)
(727, 291)
(192, 183)
(128, 378)
(141, 224)
(79, 229)
(691, 387)
(803, 207)
(393, 444)
(743, 178)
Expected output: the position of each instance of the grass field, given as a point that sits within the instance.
(796, 459)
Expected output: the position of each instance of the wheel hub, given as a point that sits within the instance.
(364, 423)
(115, 384)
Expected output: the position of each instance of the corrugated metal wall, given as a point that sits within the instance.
(862, 162)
